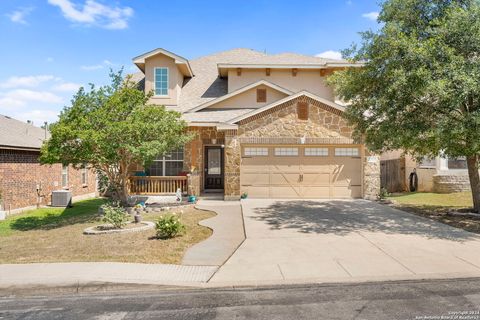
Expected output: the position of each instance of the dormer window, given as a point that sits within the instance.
(161, 81)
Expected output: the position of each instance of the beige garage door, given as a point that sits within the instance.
(301, 172)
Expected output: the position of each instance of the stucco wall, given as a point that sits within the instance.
(309, 80)
(248, 99)
(175, 80)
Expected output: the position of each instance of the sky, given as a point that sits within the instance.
(49, 48)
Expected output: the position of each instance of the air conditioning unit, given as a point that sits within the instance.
(61, 198)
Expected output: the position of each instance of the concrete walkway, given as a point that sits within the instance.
(228, 234)
(84, 273)
(343, 241)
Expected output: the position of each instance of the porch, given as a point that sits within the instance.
(157, 185)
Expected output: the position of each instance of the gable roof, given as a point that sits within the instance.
(239, 91)
(286, 99)
(15, 134)
(140, 60)
(206, 85)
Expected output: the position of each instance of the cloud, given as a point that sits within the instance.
(93, 13)
(371, 15)
(105, 63)
(27, 81)
(92, 67)
(19, 15)
(49, 59)
(330, 54)
(37, 116)
(67, 87)
(20, 96)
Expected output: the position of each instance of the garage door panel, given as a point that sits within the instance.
(256, 178)
(346, 191)
(257, 191)
(313, 179)
(284, 192)
(313, 176)
(313, 192)
(290, 179)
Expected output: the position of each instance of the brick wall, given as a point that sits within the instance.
(21, 172)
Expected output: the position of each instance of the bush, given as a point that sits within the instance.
(169, 226)
(383, 194)
(114, 214)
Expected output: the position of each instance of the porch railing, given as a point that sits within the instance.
(157, 185)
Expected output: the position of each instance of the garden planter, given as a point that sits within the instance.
(138, 218)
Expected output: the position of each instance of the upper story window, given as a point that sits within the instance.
(161, 81)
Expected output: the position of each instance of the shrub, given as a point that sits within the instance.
(114, 214)
(383, 194)
(169, 226)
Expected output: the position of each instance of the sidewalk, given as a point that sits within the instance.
(84, 273)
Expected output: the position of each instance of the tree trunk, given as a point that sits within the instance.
(473, 174)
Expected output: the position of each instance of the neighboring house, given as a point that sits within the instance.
(265, 125)
(24, 183)
(440, 174)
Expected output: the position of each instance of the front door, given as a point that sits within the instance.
(213, 168)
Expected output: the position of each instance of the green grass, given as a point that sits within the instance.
(51, 218)
(438, 206)
(56, 235)
(454, 200)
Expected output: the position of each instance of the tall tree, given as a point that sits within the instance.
(419, 89)
(112, 128)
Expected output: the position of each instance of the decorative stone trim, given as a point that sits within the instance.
(448, 183)
(295, 140)
(288, 104)
(143, 225)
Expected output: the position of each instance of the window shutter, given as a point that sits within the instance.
(302, 110)
(261, 95)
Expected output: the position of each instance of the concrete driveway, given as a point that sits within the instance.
(352, 240)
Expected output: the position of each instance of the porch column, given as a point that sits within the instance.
(232, 165)
(371, 175)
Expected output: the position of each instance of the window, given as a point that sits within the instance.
(322, 152)
(286, 151)
(261, 95)
(255, 152)
(84, 173)
(346, 152)
(169, 165)
(64, 176)
(457, 163)
(428, 163)
(161, 81)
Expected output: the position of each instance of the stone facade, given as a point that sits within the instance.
(282, 121)
(448, 183)
(194, 153)
(324, 124)
(371, 176)
(21, 173)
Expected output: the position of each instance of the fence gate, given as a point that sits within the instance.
(392, 174)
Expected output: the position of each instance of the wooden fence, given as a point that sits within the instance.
(392, 173)
(157, 185)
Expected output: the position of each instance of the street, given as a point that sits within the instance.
(432, 299)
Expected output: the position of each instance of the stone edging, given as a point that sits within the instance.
(146, 225)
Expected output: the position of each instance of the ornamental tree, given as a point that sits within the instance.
(419, 89)
(112, 128)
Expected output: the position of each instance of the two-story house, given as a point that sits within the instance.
(265, 125)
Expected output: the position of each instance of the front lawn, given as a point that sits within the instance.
(55, 235)
(436, 206)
